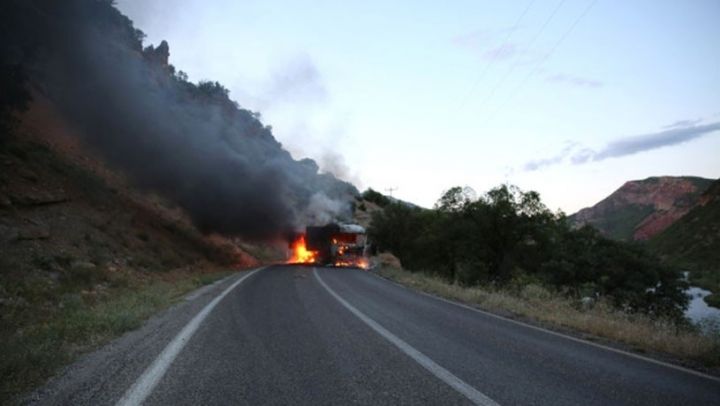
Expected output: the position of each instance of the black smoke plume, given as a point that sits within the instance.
(187, 142)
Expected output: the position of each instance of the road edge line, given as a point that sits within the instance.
(145, 384)
(439, 372)
(556, 333)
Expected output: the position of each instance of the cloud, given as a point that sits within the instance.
(683, 123)
(582, 156)
(674, 134)
(574, 80)
(478, 40)
(472, 40)
(501, 52)
(541, 163)
(647, 142)
(490, 45)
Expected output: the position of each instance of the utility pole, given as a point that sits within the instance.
(390, 190)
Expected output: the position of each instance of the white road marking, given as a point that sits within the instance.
(145, 384)
(555, 333)
(441, 373)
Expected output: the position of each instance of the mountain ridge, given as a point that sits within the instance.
(641, 209)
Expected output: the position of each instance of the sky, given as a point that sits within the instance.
(570, 98)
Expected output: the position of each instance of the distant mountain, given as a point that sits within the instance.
(694, 240)
(640, 209)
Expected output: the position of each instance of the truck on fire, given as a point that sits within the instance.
(343, 245)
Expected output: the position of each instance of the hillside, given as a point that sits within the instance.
(123, 185)
(85, 256)
(693, 242)
(641, 209)
(189, 143)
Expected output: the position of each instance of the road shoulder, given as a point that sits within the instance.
(102, 376)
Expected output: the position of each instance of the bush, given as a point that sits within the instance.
(376, 197)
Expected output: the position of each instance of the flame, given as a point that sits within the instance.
(300, 253)
(361, 263)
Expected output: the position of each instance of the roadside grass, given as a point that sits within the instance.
(47, 325)
(265, 253)
(639, 332)
(84, 257)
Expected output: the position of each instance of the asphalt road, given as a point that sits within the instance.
(301, 335)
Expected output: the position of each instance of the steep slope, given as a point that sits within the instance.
(693, 242)
(641, 209)
(187, 142)
(83, 256)
(116, 181)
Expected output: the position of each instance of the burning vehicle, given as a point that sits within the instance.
(341, 245)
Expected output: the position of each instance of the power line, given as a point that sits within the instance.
(545, 58)
(532, 42)
(491, 61)
(390, 190)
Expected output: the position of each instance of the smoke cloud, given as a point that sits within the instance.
(299, 80)
(298, 83)
(322, 210)
(188, 143)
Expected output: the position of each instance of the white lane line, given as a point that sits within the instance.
(555, 333)
(145, 384)
(441, 373)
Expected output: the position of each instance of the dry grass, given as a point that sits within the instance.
(46, 325)
(534, 302)
(83, 256)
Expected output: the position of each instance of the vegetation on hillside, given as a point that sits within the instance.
(376, 197)
(508, 238)
(84, 256)
(641, 208)
(188, 142)
(693, 243)
(84, 260)
(620, 224)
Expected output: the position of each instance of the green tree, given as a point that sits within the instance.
(508, 235)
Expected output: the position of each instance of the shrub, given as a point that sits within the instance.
(376, 197)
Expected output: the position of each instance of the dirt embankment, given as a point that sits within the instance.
(83, 256)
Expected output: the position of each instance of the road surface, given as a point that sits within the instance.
(303, 335)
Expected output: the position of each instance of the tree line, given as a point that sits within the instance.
(508, 237)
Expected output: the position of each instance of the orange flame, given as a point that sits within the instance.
(361, 263)
(300, 253)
